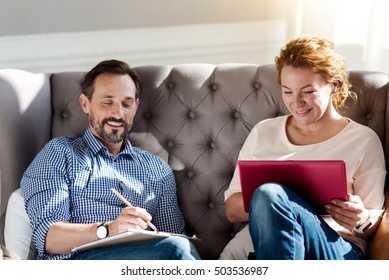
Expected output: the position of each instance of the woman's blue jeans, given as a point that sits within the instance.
(172, 248)
(284, 227)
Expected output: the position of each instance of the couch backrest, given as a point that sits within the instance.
(196, 117)
(25, 125)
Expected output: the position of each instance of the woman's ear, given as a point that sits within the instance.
(84, 102)
(335, 87)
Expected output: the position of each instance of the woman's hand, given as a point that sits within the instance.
(348, 214)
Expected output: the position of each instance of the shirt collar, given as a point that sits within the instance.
(96, 146)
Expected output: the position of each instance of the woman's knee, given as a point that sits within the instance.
(267, 192)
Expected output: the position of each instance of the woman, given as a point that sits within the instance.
(314, 86)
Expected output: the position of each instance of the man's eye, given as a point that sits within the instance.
(127, 105)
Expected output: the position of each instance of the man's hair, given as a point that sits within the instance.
(114, 67)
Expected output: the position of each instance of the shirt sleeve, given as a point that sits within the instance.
(168, 216)
(44, 186)
(369, 175)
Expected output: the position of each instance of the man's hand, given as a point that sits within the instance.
(130, 218)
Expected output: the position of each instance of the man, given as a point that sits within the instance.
(67, 188)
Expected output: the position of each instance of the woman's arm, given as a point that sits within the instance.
(235, 210)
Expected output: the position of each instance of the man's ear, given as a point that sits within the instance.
(84, 102)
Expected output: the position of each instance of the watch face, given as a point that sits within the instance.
(102, 231)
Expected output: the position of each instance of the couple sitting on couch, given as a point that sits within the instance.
(67, 188)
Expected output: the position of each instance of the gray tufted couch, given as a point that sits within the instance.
(195, 116)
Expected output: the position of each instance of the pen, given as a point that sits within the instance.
(130, 205)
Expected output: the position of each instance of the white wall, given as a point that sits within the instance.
(21, 17)
(51, 35)
(254, 42)
(56, 35)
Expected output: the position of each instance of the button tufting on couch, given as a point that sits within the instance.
(194, 116)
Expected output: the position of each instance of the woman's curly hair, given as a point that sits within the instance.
(319, 55)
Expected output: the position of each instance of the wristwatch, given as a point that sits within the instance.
(363, 227)
(102, 230)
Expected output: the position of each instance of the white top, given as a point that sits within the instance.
(357, 144)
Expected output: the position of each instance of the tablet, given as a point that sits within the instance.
(316, 181)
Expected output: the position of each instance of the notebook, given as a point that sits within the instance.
(129, 236)
(316, 181)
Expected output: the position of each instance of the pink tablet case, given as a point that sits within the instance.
(316, 181)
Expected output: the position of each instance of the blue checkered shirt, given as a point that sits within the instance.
(71, 180)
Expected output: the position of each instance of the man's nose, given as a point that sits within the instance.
(117, 110)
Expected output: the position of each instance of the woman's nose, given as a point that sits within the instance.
(298, 99)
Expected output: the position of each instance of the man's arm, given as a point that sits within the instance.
(63, 236)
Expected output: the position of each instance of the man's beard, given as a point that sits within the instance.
(114, 137)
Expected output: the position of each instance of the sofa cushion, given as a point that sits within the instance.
(6, 254)
(17, 231)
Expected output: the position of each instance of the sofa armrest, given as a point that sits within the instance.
(378, 246)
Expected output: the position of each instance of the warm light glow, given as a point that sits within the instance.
(27, 90)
